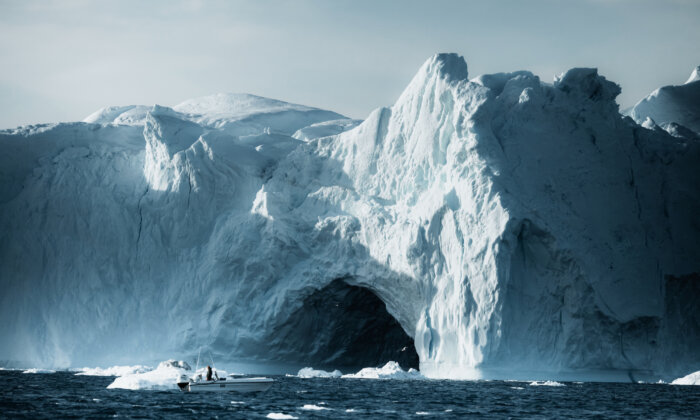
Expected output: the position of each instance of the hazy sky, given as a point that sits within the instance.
(60, 61)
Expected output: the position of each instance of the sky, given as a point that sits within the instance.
(62, 60)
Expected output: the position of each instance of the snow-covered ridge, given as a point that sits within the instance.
(501, 224)
(674, 108)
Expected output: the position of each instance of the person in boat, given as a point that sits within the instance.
(209, 374)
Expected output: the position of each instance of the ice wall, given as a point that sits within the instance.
(513, 228)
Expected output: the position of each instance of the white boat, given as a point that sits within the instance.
(226, 385)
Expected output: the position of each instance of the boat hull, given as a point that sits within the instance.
(230, 385)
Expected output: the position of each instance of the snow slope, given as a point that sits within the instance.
(677, 105)
(510, 227)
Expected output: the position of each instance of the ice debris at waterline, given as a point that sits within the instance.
(35, 370)
(546, 383)
(313, 407)
(113, 371)
(165, 376)
(478, 228)
(308, 372)
(391, 370)
(280, 416)
(691, 379)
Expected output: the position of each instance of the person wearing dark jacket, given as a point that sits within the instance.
(209, 377)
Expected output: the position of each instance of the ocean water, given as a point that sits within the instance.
(62, 394)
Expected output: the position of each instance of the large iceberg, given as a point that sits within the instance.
(489, 227)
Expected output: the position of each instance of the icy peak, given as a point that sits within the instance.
(694, 75)
(449, 66)
(675, 108)
(587, 81)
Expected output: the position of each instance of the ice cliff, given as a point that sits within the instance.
(492, 227)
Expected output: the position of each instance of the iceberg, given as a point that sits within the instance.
(280, 416)
(313, 407)
(690, 379)
(37, 370)
(308, 372)
(546, 383)
(391, 370)
(163, 377)
(113, 371)
(485, 227)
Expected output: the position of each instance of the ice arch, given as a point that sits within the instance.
(343, 326)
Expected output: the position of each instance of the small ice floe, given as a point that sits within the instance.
(280, 416)
(546, 383)
(351, 410)
(34, 370)
(449, 410)
(516, 387)
(422, 413)
(692, 379)
(113, 371)
(312, 407)
(391, 370)
(237, 402)
(309, 372)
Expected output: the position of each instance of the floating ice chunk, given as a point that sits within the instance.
(165, 376)
(34, 370)
(692, 379)
(391, 370)
(422, 413)
(516, 387)
(280, 416)
(546, 383)
(312, 407)
(309, 372)
(114, 370)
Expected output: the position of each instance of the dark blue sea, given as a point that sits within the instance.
(64, 395)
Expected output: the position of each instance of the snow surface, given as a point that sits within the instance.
(678, 105)
(509, 225)
(325, 129)
(691, 379)
(308, 372)
(391, 370)
(120, 115)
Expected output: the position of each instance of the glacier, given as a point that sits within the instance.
(493, 227)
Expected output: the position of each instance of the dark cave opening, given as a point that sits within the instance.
(344, 326)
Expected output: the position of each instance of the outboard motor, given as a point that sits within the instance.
(183, 383)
